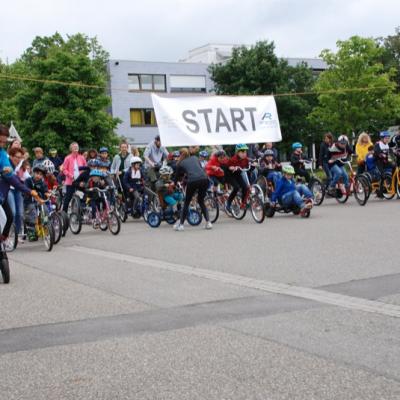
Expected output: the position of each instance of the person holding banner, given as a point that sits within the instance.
(197, 181)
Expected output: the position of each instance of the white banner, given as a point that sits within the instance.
(216, 120)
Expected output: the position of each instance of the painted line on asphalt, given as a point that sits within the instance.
(321, 296)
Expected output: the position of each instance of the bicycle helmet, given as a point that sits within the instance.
(269, 153)
(103, 150)
(103, 164)
(343, 139)
(40, 168)
(166, 170)
(296, 145)
(136, 160)
(49, 166)
(288, 169)
(220, 153)
(96, 172)
(203, 153)
(384, 134)
(176, 153)
(241, 147)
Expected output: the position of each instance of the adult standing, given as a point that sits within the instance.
(154, 156)
(122, 161)
(363, 142)
(71, 166)
(39, 156)
(14, 197)
(197, 181)
(324, 155)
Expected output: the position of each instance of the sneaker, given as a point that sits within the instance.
(304, 211)
(179, 227)
(228, 208)
(243, 206)
(208, 225)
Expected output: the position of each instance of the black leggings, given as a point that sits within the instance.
(9, 216)
(237, 182)
(191, 188)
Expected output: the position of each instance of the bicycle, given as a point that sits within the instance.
(105, 218)
(43, 225)
(255, 200)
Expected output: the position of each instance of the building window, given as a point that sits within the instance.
(146, 82)
(188, 83)
(142, 117)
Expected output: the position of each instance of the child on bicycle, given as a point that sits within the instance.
(269, 167)
(381, 153)
(297, 161)
(215, 168)
(203, 158)
(166, 189)
(340, 152)
(96, 180)
(37, 184)
(133, 183)
(235, 177)
(371, 167)
(290, 195)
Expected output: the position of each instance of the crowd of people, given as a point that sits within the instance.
(25, 181)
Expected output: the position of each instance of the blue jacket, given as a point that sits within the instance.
(283, 186)
(370, 162)
(129, 183)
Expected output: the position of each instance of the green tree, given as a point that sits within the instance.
(54, 115)
(258, 71)
(356, 64)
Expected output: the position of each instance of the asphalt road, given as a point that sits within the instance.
(289, 309)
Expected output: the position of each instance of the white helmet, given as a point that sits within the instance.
(166, 170)
(49, 166)
(343, 138)
(135, 160)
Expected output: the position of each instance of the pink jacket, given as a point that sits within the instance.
(68, 166)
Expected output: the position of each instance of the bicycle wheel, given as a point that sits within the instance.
(123, 216)
(318, 190)
(57, 223)
(212, 206)
(262, 182)
(238, 212)
(257, 204)
(5, 267)
(75, 223)
(48, 236)
(194, 217)
(361, 190)
(269, 211)
(76, 204)
(65, 221)
(397, 172)
(154, 219)
(114, 223)
(10, 244)
(387, 190)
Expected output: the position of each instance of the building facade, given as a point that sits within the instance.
(131, 84)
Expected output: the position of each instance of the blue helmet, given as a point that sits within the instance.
(103, 150)
(296, 145)
(96, 172)
(103, 164)
(203, 153)
(384, 134)
(241, 147)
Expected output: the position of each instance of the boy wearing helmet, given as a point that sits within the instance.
(290, 195)
(103, 157)
(215, 168)
(234, 175)
(269, 167)
(381, 153)
(49, 177)
(133, 183)
(36, 183)
(297, 161)
(166, 189)
(203, 158)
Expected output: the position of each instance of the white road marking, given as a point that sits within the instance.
(321, 296)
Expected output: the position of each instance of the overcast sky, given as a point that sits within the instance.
(165, 30)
